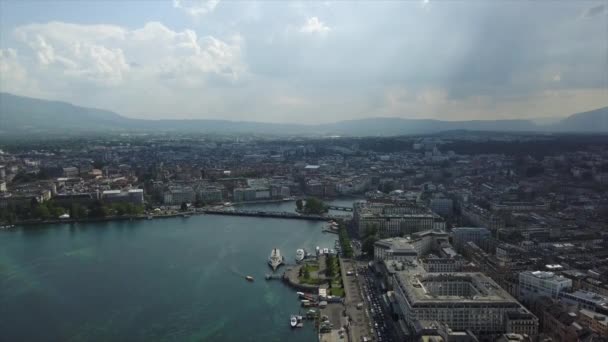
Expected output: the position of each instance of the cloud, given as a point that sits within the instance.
(196, 8)
(314, 26)
(456, 60)
(83, 52)
(105, 55)
(13, 74)
(595, 10)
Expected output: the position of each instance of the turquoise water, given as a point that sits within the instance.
(177, 279)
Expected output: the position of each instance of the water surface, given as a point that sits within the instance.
(179, 279)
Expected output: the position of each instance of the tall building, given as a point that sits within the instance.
(462, 235)
(534, 284)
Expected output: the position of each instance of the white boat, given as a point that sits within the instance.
(293, 321)
(300, 255)
(275, 260)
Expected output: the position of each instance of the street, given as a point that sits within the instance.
(381, 321)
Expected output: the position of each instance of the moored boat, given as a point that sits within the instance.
(300, 255)
(293, 321)
(275, 260)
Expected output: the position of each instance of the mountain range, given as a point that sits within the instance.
(23, 115)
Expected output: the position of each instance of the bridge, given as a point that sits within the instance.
(337, 207)
(276, 214)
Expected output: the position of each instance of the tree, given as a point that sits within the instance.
(369, 238)
(77, 211)
(314, 206)
(41, 212)
(368, 244)
(184, 206)
(98, 210)
(198, 202)
(299, 205)
(306, 272)
(329, 266)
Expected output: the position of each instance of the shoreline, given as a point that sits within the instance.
(103, 219)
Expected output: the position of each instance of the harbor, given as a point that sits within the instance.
(180, 267)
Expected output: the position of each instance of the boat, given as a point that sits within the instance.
(275, 260)
(293, 321)
(300, 255)
(249, 278)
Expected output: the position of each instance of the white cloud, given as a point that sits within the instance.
(315, 26)
(111, 55)
(13, 76)
(86, 52)
(196, 8)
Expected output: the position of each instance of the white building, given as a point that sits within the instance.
(534, 284)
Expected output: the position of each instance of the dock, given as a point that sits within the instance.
(270, 276)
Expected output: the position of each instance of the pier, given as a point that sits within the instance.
(270, 276)
(337, 207)
(276, 214)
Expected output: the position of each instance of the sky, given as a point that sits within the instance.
(312, 61)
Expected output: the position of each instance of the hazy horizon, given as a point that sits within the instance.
(309, 63)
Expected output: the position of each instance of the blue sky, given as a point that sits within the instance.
(309, 61)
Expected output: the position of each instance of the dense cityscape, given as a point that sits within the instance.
(447, 237)
(298, 171)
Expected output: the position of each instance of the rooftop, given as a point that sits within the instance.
(467, 288)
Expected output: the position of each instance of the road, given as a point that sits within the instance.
(359, 320)
(381, 321)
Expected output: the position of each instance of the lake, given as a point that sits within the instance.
(178, 279)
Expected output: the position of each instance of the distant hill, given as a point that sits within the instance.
(591, 121)
(23, 115)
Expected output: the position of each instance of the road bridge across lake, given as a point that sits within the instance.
(276, 214)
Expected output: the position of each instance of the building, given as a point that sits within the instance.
(133, 196)
(462, 235)
(520, 206)
(391, 219)
(482, 218)
(586, 300)
(395, 248)
(70, 171)
(535, 284)
(596, 321)
(442, 206)
(178, 195)
(433, 264)
(251, 194)
(460, 300)
(210, 194)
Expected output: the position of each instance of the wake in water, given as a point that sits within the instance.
(236, 272)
